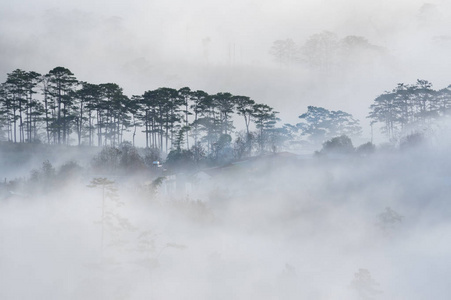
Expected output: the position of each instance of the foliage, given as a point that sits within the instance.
(107, 160)
(366, 149)
(43, 178)
(319, 124)
(222, 151)
(412, 140)
(285, 51)
(326, 52)
(124, 159)
(178, 160)
(199, 154)
(130, 160)
(57, 108)
(339, 145)
(151, 155)
(409, 107)
(319, 51)
(69, 171)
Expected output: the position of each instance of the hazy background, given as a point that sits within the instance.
(224, 46)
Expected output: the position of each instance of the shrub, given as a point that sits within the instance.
(366, 149)
(341, 144)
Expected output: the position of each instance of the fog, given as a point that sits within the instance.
(304, 227)
(371, 227)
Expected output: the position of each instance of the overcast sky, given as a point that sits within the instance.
(221, 46)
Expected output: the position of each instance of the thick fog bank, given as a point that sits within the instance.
(323, 228)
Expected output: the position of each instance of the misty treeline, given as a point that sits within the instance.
(325, 51)
(410, 106)
(57, 108)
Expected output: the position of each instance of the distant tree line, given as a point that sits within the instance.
(319, 124)
(56, 108)
(325, 51)
(410, 106)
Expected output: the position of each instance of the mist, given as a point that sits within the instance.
(317, 228)
(277, 225)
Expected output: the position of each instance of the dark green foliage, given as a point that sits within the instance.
(107, 161)
(71, 111)
(101, 114)
(366, 149)
(338, 145)
(319, 124)
(265, 119)
(130, 160)
(240, 146)
(199, 154)
(412, 140)
(223, 152)
(68, 171)
(45, 173)
(179, 160)
(43, 179)
(124, 159)
(409, 106)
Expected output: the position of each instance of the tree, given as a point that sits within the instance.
(60, 88)
(244, 107)
(169, 107)
(207, 120)
(285, 51)
(407, 107)
(115, 113)
(320, 51)
(88, 97)
(186, 95)
(425, 101)
(265, 119)
(341, 145)
(44, 178)
(32, 106)
(7, 110)
(356, 50)
(180, 159)
(319, 124)
(366, 149)
(108, 191)
(107, 161)
(443, 97)
(20, 87)
(225, 104)
(199, 108)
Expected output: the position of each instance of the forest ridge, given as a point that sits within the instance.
(57, 108)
